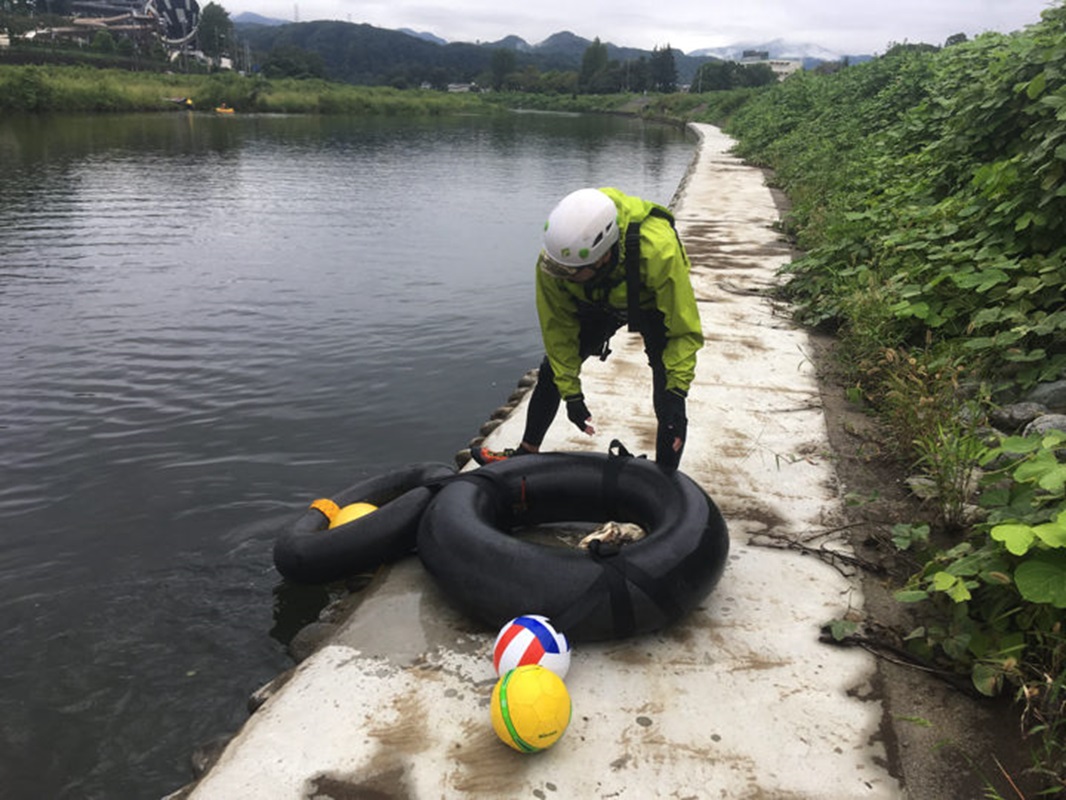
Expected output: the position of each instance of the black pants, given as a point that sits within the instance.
(596, 328)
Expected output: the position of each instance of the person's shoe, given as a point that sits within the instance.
(483, 456)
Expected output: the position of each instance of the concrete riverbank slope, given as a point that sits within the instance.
(739, 700)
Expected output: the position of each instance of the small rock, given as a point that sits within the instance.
(1014, 417)
(503, 412)
(1045, 423)
(1052, 395)
(529, 379)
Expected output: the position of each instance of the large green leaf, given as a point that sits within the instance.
(1042, 578)
(987, 679)
(1017, 538)
(1043, 469)
(1053, 534)
(1036, 86)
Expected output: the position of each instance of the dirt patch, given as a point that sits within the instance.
(944, 742)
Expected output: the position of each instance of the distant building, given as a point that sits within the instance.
(782, 67)
(173, 21)
(107, 8)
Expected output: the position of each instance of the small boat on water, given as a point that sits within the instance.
(223, 109)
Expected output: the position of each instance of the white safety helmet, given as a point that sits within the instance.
(580, 229)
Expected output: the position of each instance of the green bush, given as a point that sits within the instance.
(25, 89)
(929, 196)
(85, 89)
(938, 177)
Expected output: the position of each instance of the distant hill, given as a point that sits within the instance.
(363, 54)
(510, 43)
(426, 35)
(568, 48)
(566, 43)
(572, 47)
(248, 18)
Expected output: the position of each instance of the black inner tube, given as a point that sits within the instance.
(310, 552)
(604, 593)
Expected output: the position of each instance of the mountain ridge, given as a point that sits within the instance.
(568, 41)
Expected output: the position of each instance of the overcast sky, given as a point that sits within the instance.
(843, 26)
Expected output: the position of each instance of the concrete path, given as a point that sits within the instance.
(737, 701)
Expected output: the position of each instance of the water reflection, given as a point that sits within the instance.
(207, 323)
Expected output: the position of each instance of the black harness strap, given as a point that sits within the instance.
(623, 620)
(633, 265)
(616, 461)
(633, 276)
(617, 572)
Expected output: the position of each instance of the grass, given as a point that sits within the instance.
(80, 89)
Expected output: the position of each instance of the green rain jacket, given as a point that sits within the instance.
(665, 285)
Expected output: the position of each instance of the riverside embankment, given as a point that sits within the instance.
(739, 700)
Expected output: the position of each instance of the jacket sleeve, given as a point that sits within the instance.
(559, 328)
(667, 278)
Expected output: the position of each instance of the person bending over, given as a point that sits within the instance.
(609, 259)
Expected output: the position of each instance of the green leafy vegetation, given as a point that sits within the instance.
(84, 89)
(717, 76)
(363, 54)
(934, 179)
(929, 199)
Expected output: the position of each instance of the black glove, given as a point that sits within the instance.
(577, 411)
(673, 424)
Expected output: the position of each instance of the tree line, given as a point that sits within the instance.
(362, 54)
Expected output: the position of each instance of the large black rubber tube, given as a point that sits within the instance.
(309, 553)
(616, 592)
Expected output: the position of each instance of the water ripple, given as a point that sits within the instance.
(207, 324)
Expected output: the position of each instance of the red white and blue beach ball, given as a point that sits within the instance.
(531, 639)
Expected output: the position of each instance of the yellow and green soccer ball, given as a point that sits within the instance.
(530, 708)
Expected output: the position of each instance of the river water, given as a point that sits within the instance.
(206, 322)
